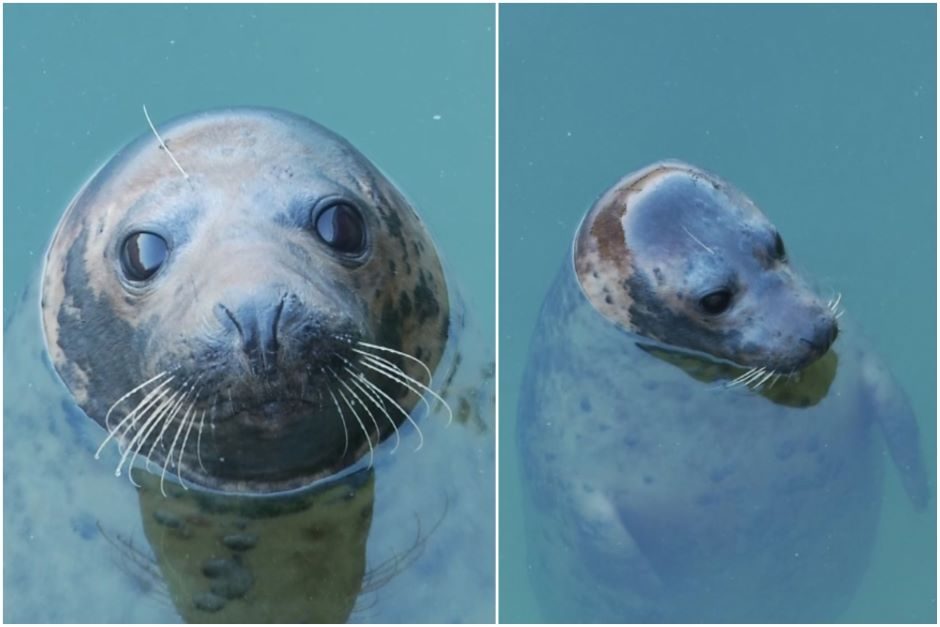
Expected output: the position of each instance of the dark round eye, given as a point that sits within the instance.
(779, 251)
(716, 302)
(142, 255)
(340, 226)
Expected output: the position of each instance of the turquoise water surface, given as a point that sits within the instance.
(412, 87)
(824, 115)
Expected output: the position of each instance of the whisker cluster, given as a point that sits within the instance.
(164, 400)
(362, 396)
(755, 379)
(157, 409)
(833, 306)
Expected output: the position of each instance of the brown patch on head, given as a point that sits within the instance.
(603, 261)
(663, 241)
(607, 233)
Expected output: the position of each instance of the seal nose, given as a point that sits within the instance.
(824, 334)
(257, 321)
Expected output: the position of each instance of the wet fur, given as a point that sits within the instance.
(655, 495)
(664, 237)
(238, 227)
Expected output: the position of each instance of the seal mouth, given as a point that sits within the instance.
(270, 443)
(270, 415)
(797, 387)
(231, 431)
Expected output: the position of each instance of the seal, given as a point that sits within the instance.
(261, 329)
(271, 302)
(697, 425)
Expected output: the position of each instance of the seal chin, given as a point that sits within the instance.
(269, 445)
(795, 366)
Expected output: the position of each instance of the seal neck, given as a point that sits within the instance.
(803, 389)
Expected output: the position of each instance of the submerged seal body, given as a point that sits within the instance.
(699, 429)
(259, 326)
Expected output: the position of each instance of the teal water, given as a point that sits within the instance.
(412, 87)
(824, 115)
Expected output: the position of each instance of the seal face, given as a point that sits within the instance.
(675, 254)
(244, 300)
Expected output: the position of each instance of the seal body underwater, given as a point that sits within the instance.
(701, 433)
(247, 307)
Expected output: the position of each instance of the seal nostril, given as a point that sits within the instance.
(277, 320)
(257, 322)
(228, 313)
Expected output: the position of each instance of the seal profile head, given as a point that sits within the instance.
(245, 300)
(677, 255)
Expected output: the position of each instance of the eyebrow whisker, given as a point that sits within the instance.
(163, 144)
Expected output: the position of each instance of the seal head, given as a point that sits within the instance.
(677, 255)
(244, 299)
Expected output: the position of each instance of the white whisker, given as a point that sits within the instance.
(169, 419)
(342, 421)
(763, 379)
(395, 352)
(179, 460)
(362, 425)
(158, 417)
(169, 455)
(835, 304)
(154, 396)
(698, 241)
(163, 144)
(199, 440)
(378, 403)
(358, 400)
(757, 375)
(107, 416)
(748, 377)
(152, 420)
(739, 378)
(394, 403)
(398, 375)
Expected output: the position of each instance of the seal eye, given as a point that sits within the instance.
(716, 302)
(779, 251)
(142, 255)
(340, 226)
